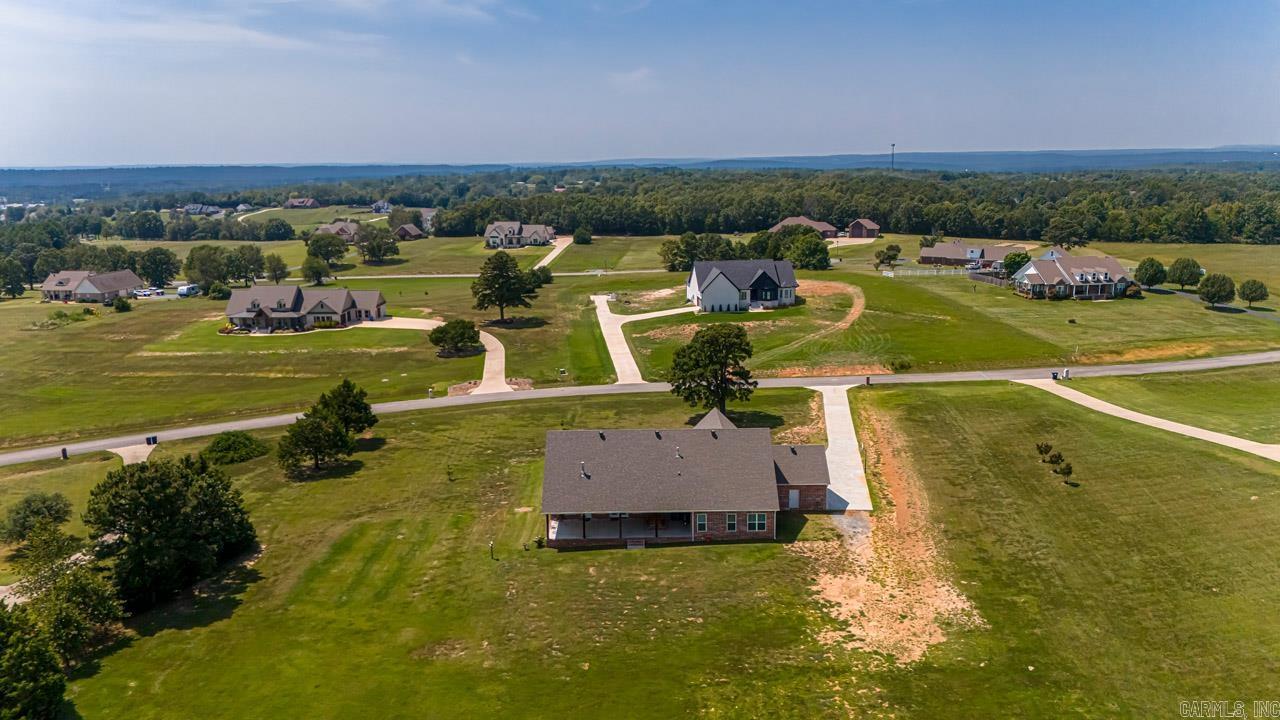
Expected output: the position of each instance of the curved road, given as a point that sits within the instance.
(88, 446)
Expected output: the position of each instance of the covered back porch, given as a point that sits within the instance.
(617, 528)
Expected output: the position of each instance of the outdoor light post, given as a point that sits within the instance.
(892, 150)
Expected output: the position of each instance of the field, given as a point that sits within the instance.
(1244, 402)
(1240, 262)
(293, 251)
(611, 253)
(306, 219)
(439, 256)
(1149, 583)
(164, 364)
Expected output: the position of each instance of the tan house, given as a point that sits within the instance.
(348, 230)
(301, 204)
(711, 482)
(408, 231)
(515, 234)
(266, 308)
(88, 286)
(826, 230)
(1059, 276)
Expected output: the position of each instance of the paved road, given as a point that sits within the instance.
(88, 446)
(624, 363)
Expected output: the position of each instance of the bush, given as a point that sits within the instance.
(1252, 291)
(234, 446)
(455, 337)
(218, 291)
(582, 236)
(35, 508)
(1133, 291)
(31, 680)
(122, 304)
(540, 276)
(326, 324)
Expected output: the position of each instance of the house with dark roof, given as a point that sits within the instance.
(826, 230)
(88, 286)
(1059, 276)
(515, 234)
(301, 204)
(711, 482)
(408, 231)
(964, 254)
(863, 228)
(737, 285)
(382, 207)
(267, 308)
(348, 230)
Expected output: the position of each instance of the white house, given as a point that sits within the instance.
(736, 285)
(87, 286)
(515, 234)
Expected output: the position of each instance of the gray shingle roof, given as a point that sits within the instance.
(742, 272)
(714, 420)
(601, 471)
(820, 226)
(116, 281)
(800, 465)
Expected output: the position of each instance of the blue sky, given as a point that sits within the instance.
(262, 81)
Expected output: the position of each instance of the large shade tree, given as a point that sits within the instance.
(709, 370)
(502, 284)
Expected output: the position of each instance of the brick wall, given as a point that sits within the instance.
(813, 498)
(716, 528)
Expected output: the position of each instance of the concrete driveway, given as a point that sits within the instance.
(848, 489)
(495, 355)
(624, 363)
(561, 244)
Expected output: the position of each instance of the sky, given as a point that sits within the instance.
(113, 82)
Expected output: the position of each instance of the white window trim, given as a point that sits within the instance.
(761, 518)
(700, 522)
(731, 522)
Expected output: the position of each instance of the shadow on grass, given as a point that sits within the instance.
(463, 353)
(1262, 309)
(329, 472)
(1226, 309)
(370, 444)
(386, 262)
(745, 418)
(341, 267)
(517, 323)
(1157, 291)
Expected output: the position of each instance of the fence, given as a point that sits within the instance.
(988, 279)
(923, 272)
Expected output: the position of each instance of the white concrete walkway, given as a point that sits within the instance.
(132, 454)
(561, 244)
(1270, 452)
(495, 356)
(624, 364)
(848, 490)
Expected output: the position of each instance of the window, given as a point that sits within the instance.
(757, 522)
(731, 522)
(700, 522)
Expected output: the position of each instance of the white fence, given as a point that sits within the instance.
(924, 272)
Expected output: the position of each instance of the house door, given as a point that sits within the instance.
(793, 499)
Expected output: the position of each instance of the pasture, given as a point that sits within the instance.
(309, 219)
(1240, 262)
(612, 253)
(438, 256)
(293, 251)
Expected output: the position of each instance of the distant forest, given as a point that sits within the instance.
(1192, 206)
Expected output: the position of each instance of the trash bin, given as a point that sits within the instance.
(1055, 374)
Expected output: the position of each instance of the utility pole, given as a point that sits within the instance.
(892, 148)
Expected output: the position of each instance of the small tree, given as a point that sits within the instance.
(1064, 470)
(328, 247)
(709, 370)
(32, 510)
(1217, 289)
(540, 276)
(315, 270)
(502, 284)
(1043, 448)
(1150, 272)
(121, 304)
(808, 252)
(317, 437)
(456, 337)
(1252, 291)
(206, 265)
(275, 267)
(218, 291)
(928, 241)
(1014, 261)
(31, 681)
(233, 446)
(376, 243)
(13, 280)
(1184, 272)
(582, 236)
(277, 229)
(347, 402)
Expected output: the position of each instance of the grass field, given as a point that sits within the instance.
(1244, 402)
(611, 253)
(1152, 582)
(293, 251)
(375, 596)
(307, 219)
(438, 256)
(1240, 262)
(164, 364)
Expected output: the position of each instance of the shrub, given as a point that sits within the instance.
(1054, 458)
(582, 236)
(326, 324)
(35, 508)
(218, 291)
(900, 364)
(122, 304)
(1133, 291)
(455, 337)
(540, 276)
(234, 446)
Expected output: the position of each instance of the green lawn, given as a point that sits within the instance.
(1152, 582)
(293, 251)
(612, 253)
(308, 219)
(1241, 262)
(164, 364)
(376, 597)
(1244, 402)
(439, 256)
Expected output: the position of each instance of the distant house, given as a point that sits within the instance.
(382, 207)
(826, 230)
(428, 218)
(863, 228)
(345, 229)
(244, 207)
(266, 308)
(301, 204)
(515, 234)
(88, 286)
(408, 231)
(962, 254)
(1065, 276)
(712, 482)
(735, 285)
(201, 209)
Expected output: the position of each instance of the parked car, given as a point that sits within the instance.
(189, 290)
(159, 291)
(143, 293)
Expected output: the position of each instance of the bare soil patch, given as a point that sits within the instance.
(885, 580)
(814, 429)
(520, 383)
(1164, 352)
(463, 388)
(684, 333)
(824, 370)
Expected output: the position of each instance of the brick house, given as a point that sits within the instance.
(267, 308)
(826, 230)
(863, 228)
(736, 285)
(88, 286)
(408, 231)
(963, 254)
(712, 482)
(301, 204)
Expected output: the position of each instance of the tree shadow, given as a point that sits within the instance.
(387, 262)
(370, 444)
(1226, 309)
(517, 323)
(343, 469)
(1262, 309)
(462, 353)
(1157, 291)
(341, 267)
(745, 419)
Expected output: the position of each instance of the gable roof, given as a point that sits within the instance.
(714, 420)
(367, 299)
(64, 280)
(408, 229)
(601, 471)
(800, 465)
(743, 272)
(115, 281)
(340, 227)
(864, 222)
(1067, 269)
(802, 220)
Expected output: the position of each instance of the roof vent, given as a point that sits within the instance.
(714, 435)
(793, 449)
(582, 468)
(678, 453)
(601, 434)
(657, 434)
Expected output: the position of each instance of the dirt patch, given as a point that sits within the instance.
(824, 371)
(520, 383)
(814, 429)
(684, 333)
(884, 579)
(463, 388)
(651, 295)
(1165, 352)
(443, 650)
